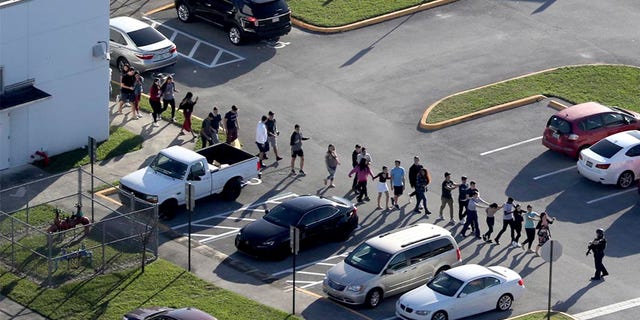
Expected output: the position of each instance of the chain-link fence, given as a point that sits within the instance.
(56, 229)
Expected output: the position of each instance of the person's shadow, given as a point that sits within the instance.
(561, 305)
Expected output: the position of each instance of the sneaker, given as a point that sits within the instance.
(367, 199)
(265, 157)
(497, 242)
(594, 278)
(332, 185)
(302, 173)
(452, 221)
(427, 211)
(441, 217)
(155, 124)
(278, 158)
(293, 173)
(393, 201)
(173, 119)
(516, 245)
(484, 237)
(461, 222)
(489, 241)
(139, 116)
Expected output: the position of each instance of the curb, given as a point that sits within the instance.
(371, 21)
(552, 312)
(352, 26)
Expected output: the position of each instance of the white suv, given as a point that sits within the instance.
(392, 263)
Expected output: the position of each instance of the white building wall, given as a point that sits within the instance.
(51, 41)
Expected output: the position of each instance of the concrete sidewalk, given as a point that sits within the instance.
(206, 263)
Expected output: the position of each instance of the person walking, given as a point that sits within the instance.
(168, 89)
(507, 220)
(137, 93)
(422, 181)
(398, 183)
(231, 125)
(262, 139)
(364, 154)
(446, 198)
(127, 81)
(332, 161)
(463, 187)
(362, 172)
(354, 163)
(472, 215)
(206, 132)
(273, 133)
(491, 219)
(597, 246)
(382, 177)
(413, 173)
(544, 232)
(187, 105)
(518, 218)
(154, 101)
(215, 126)
(530, 227)
(472, 189)
(296, 149)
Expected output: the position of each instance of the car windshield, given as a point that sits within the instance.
(282, 216)
(559, 125)
(145, 36)
(605, 148)
(368, 259)
(169, 167)
(445, 284)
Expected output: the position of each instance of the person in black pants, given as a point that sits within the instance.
(507, 220)
(413, 173)
(463, 187)
(597, 246)
(354, 163)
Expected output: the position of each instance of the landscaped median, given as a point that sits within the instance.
(542, 315)
(615, 85)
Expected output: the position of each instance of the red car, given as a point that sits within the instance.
(580, 126)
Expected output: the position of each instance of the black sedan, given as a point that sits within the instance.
(317, 219)
(166, 313)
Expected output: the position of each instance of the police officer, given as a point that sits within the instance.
(597, 246)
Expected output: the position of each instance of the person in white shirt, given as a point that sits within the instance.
(261, 139)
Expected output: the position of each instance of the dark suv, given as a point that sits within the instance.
(241, 18)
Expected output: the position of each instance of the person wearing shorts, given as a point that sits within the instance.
(261, 139)
(397, 182)
(296, 149)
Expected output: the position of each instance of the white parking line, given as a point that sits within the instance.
(611, 195)
(598, 312)
(310, 273)
(510, 146)
(219, 236)
(308, 284)
(214, 63)
(554, 172)
(306, 265)
(326, 264)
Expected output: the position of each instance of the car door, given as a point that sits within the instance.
(117, 44)
(317, 224)
(593, 128)
(632, 161)
(200, 178)
(219, 10)
(613, 123)
(477, 296)
(397, 275)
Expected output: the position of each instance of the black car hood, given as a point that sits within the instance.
(263, 230)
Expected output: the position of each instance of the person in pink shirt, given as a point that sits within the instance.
(362, 172)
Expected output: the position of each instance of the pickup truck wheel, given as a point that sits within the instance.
(235, 35)
(184, 12)
(168, 209)
(232, 189)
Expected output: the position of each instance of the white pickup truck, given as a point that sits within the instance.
(218, 169)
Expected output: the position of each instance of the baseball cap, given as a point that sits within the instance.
(271, 113)
(446, 174)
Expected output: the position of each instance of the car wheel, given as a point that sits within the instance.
(373, 298)
(235, 35)
(168, 209)
(504, 303)
(439, 315)
(184, 13)
(232, 189)
(626, 179)
(121, 62)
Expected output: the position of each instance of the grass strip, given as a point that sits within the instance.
(332, 13)
(614, 85)
(110, 296)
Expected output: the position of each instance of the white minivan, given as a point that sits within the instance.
(392, 263)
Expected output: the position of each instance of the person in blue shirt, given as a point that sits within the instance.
(397, 183)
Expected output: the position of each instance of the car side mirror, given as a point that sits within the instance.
(389, 271)
(462, 295)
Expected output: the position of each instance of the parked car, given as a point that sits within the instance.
(317, 218)
(392, 263)
(241, 18)
(461, 292)
(166, 313)
(613, 160)
(580, 126)
(134, 42)
(217, 169)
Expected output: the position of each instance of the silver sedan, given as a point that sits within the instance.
(134, 42)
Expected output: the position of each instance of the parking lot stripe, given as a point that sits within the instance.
(554, 172)
(224, 235)
(302, 266)
(510, 146)
(610, 196)
(311, 273)
(598, 312)
(326, 264)
(194, 48)
(308, 284)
